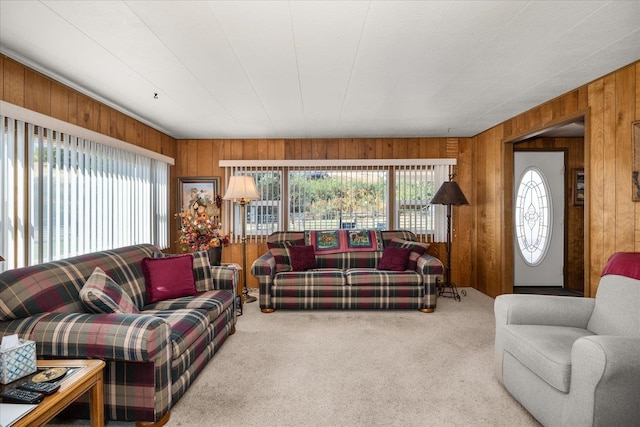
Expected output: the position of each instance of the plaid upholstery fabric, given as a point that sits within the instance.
(430, 266)
(214, 302)
(287, 236)
(100, 294)
(348, 297)
(347, 260)
(151, 358)
(55, 286)
(311, 278)
(281, 255)
(417, 249)
(387, 236)
(369, 277)
(186, 327)
(362, 286)
(224, 278)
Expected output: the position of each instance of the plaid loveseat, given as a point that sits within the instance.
(152, 357)
(347, 280)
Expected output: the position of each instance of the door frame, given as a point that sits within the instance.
(508, 180)
(565, 228)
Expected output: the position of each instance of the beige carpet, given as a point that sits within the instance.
(354, 368)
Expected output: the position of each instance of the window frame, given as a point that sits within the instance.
(445, 166)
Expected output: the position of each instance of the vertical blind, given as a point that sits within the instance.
(383, 194)
(64, 195)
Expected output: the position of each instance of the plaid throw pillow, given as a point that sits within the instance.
(100, 294)
(280, 252)
(417, 249)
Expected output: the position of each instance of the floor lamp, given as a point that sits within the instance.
(242, 190)
(449, 194)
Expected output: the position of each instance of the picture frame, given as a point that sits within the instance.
(192, 188)
(635, 167)
(578, 187)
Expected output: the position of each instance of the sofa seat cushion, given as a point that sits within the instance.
(373, 277)
(318, 277)
(213, 302)
(347, 260)
(544, 350)
(186, 327)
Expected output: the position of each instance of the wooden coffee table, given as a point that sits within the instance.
(87, 378)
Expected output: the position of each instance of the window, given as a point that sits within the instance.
(306, 195)
(64, 195)
(533, 216)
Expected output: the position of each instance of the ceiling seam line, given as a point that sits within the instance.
(355, 57)
(295, 50)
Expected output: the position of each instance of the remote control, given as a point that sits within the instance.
(44, 388)
(21, 396)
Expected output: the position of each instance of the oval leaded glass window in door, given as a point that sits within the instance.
(533, 216)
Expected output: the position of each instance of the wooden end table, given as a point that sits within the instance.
(87, 378)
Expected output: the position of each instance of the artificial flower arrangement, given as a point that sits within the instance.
(199, 230)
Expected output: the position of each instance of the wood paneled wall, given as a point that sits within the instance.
(27, 88)
(482, 252)
(200, 158)
(612, 221)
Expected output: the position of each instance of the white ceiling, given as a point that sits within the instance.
(305, 69)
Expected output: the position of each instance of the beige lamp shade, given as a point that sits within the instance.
(241, 188)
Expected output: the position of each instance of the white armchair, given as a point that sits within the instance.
(574, 361)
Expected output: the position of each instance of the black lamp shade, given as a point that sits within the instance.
(449, 194)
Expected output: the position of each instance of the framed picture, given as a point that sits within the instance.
(635, 167)
(578, 187)
(202, 190)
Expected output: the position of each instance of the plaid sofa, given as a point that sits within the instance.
(347, 280)
(152, 357)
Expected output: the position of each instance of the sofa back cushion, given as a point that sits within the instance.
(389, 235)
(55, 286)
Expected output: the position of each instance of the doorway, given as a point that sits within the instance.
(539, 200)
(568, 136)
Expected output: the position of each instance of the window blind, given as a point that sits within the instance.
(302, 195)
(82, 196)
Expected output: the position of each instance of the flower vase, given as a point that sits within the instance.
(215, 255)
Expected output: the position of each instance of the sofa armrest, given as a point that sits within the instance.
(605, 376)
(122, 337)
(264, 269)
(264, 266)
(429, 265)
(224, 278)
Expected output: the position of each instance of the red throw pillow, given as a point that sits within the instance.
(417, 249)
(302, 258)
(394, 259)
(167, 278)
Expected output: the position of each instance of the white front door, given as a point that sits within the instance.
(539, 201)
